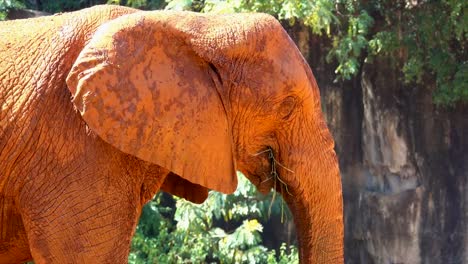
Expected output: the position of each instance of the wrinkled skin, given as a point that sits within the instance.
(95, 120)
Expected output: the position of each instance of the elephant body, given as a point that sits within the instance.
(72, 190)
(43, 140)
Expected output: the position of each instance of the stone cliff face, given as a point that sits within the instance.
(24, 13)
(404, 163)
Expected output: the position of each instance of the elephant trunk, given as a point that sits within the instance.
(315, 195)
(317, 208)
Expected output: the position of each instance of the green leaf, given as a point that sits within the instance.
(179, 5)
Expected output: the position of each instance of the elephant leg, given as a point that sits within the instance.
(89, 220)
(14, 246)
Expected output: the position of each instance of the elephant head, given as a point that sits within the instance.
(204, 96)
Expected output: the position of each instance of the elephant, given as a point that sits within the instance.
(103, 107)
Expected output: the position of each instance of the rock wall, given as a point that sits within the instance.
(404, 162)
(24, 13)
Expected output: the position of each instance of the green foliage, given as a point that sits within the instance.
(55, 6)
(140, 4)
(347, 48)
(224, 229)
(6, 5)
(436, 44)
(428, 38)
(179, 5)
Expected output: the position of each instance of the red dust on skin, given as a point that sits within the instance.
(95, 119)
(185, 94)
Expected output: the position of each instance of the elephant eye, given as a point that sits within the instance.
(287, 106)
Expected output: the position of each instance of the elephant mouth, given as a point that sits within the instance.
(265, 175)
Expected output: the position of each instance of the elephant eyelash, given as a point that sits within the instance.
(276, 178)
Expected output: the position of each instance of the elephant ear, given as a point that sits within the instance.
(185, 189)
(140, 87)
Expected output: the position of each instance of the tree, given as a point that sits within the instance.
(224, 229)
(7, 5)
(426, 39)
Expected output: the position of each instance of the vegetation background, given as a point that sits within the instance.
(422, 39)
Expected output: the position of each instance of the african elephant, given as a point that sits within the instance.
(103, 107)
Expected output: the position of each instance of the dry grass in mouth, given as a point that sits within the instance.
(276, 179)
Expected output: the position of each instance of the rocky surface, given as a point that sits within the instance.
(404, 163)
(24, 13)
